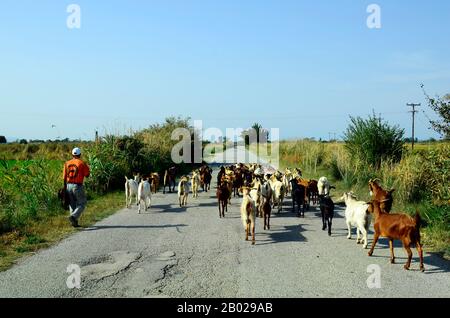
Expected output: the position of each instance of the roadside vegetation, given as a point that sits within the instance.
(31, 216)
(420, 178)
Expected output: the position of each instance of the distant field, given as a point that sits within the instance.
(49, 151)
(421, 146)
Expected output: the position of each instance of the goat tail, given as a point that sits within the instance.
(418, 219)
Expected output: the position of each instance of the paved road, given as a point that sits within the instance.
(176, 252)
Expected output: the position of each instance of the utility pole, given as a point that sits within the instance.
(413, 111)
(330, 134)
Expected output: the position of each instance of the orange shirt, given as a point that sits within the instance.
(75, 171)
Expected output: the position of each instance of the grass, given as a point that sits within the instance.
(48, 151)
(420, 180)
(50, 229)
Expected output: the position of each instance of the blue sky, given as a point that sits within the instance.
(301, 66)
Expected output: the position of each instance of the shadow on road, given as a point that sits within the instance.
(439, 264)
(318, 214)
(292, 233)
(209, 204)
(169, 208)
(107, 227)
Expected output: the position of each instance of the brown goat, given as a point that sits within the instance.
(313, 191)
(384, 197)
(397, 227)
(305, 183)
(265, 210)
(223, 195)
(248, 214)
(154, 178)
(169, 179)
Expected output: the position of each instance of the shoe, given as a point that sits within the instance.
(73, 221)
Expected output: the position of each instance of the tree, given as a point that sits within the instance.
(23, 141)
(2, 140)
(441, 106)
(262, 134)
(373, 141)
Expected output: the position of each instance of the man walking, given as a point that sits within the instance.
(75, 171)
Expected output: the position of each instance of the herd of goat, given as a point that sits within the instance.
(261, 192)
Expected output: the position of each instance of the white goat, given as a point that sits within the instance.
(195, 182)
(255, 194)
(183, 191)
(266, 191)
(131, 189)
(278, 192)
(323, 185)
(357, 214)
(287, 177)
(144, 194)
(248, 214)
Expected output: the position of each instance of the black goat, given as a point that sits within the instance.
(298, 196)
(327, 210)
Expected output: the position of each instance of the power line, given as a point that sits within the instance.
(413, 112)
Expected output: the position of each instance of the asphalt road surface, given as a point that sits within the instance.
(170, 251)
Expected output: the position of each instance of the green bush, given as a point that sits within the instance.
(28, 190)
(373, 142)
(117, 156)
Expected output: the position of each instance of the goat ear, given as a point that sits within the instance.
(391, 191)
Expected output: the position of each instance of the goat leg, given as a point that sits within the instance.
(364, 233)
(253, 233)
(247, 230)
(358, 235)
(375, 240)
(408, 251)
(324, 223)
(349, 228)
(420, 251)
(391, 247)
